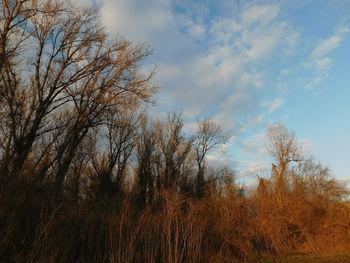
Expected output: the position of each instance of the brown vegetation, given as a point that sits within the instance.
(85, 176)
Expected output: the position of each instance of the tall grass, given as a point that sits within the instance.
(223, 226)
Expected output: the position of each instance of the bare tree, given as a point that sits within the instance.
(318, 182)
(209, 136)
(15, 27)
(146, 160)
(285, 149)
(174, 148)
(74, 68)
(120, 133)
(283, 146)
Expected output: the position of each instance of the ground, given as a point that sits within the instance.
(343, 258)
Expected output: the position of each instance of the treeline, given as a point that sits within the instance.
(87, 176)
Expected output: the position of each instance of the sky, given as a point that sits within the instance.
(248, 64)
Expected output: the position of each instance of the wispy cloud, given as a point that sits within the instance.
(327, 45)
(136, 20)
(274, 104)
(250, 169)
(232, 60)
(240, 48)
(223, 77)
(263, 14)
(320, 59)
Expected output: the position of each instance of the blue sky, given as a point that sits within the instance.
(247, 64)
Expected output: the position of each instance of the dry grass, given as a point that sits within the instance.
(217, 228)
(333, 258)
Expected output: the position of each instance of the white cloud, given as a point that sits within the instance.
(253, 168)
(329, 44)
(136, 20)
(192, 28)
(219, 160)
(254, 158)
(326, 46)
(240, 45)
(169, 70)
(323, 63)
(83, 3)
(307, 146)
(319, 59)
(262, 14)
(275, 104)
(223, 77)
(256, 145)
(256, 120)
(226, 76)
(313, 83)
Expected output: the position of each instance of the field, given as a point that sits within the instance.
(100, 163)
(336, 258)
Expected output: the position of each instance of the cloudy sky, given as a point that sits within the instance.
(248, 64)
